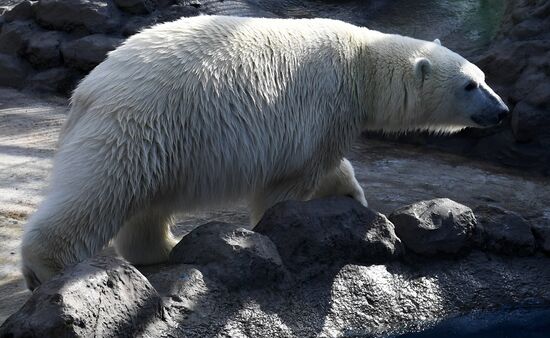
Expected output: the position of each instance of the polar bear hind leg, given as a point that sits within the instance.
(146, 238)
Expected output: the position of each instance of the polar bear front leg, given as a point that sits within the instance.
(340, 181)
(146, 238)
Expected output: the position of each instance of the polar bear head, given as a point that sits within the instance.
(421, 85)
(452, 93)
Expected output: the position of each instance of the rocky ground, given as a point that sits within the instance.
(498, 262)
(326, 268)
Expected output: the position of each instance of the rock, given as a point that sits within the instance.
(15, 36)
(435, 226)
(87, 52)
(236, 256)
(528, 28)
(21, 11)
(93, 16)
(541, 231)
(185, 292)
(137, 6)
(540, 95)
(103, 296)
(329, 231)
(504, 232)
(13, 71)
(529, 122)
(137, 23)
(59, 79)
(177, 11)
(43, 50)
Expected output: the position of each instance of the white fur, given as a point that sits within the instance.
(206, 110)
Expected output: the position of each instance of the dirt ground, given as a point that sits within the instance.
(392, 175)
(28, 129)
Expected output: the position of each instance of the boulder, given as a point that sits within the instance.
(15, 36)
(59, 79)
(238, 257)
(329, 231)
(13, 71)
(92, 16)
(504, 232)
(43, 49)
(529, 122)
(541, 231)
(177, 11)
(102, 296)
(137, 6)
(137, 23)
(87, 52)
(434, 226)
(21, 11)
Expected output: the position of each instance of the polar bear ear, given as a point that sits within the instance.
(437, 41)
(422, 68)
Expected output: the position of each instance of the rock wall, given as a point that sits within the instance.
(517, 66)
(48, 45)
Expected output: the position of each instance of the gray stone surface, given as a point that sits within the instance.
(59, 79)
(529, 121)
(541, 231)
(238, 257)
(328, 230)
(15, 36)
(43, 49)
(434, 226)
(103, 297)
(88, 16)
(89, 51)
(350, 300)
(13, 71)
(137, 6)
(504, 231)
(21, 11)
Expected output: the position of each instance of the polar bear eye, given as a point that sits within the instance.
(471, 86)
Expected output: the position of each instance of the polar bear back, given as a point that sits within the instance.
(252, 100)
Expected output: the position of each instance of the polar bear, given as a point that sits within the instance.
(206, 110)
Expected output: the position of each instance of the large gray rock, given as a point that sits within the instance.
(504, 231)
(93, 16)
(15, 36)
(177, 11)
(13, 71)
(329, 231)
(240, 258)
(43, 49)
(541, 231)
(434, 226)
(58, 79)
(137, 6)
(528, 121)
(89, 51)
(21, 11)
(102, 297)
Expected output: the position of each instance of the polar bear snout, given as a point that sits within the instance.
(491, 118)
(493, 109)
